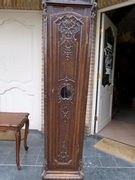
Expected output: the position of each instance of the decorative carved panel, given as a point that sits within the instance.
(68, 31)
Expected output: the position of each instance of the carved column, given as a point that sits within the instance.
(68, 34)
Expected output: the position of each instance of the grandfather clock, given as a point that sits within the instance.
(67, 36)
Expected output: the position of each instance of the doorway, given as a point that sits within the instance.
(121, 128)
(124, 76)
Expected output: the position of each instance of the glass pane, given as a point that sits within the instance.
(108, 57)
(65, 92)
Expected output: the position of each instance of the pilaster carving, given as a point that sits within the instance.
(45, 45)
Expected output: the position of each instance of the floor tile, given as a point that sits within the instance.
(29, 160)
(10, 173)
(123, 163)
(3, 157)
(109, 174)
(40, 160)
(98, 165)
(92, 162)
(107, 162)
(119, 132)
(128, 140)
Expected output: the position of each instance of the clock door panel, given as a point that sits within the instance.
(68, 60)
(67, 65)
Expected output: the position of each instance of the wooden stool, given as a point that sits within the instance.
(14, 122)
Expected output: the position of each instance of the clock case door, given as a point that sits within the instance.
(68, 44)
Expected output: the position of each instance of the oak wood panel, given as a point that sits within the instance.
(68, 42)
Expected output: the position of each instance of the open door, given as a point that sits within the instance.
(106, 72)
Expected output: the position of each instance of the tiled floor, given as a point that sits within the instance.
(120, 131)
(98, 165)
(122, 127)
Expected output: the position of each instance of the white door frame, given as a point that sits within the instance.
(99, 12)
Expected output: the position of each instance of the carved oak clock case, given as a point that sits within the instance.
(67, 37)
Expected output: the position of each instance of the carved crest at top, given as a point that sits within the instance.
(68, 25)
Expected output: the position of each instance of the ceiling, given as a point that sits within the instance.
(117, 15)
(124, 19)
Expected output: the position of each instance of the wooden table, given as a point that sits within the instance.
(14, 122)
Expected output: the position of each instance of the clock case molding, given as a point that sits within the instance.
(68, 27)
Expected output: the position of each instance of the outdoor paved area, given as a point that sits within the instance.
(97, 164)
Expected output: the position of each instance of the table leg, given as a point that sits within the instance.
(18, 140)
(26, 134)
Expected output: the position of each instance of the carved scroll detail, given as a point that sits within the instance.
(45, 46)
(66, 79)
(65, 115)
(44, 7)
(66, 100)
(68, 25)
(65, 84)
(63, 156)
(93, 10)
(67, 51)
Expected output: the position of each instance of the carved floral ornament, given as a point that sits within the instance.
(67, 51)
(65, 115)
(44, 5)
(63, 156)
(68, 25)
